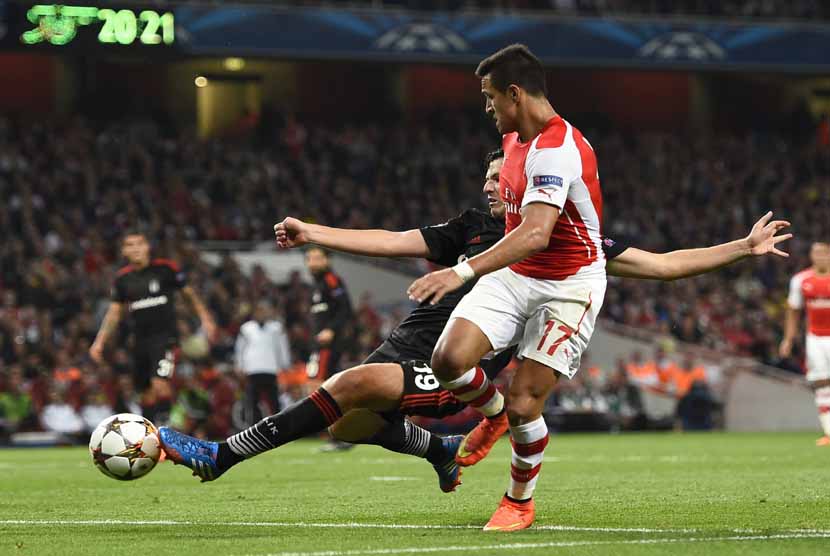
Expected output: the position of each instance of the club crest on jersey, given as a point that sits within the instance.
(154, 286)
(555, 181)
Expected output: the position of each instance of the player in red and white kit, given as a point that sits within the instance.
(810, 290)
(541, 286)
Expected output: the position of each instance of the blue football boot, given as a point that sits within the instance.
(449, 473)
(198, 455)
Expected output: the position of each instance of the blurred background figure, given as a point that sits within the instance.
(261, 353)
(60, 417)
(331, 315)
(625, 404)
(696, 403)
(16, 407)
(144, 290)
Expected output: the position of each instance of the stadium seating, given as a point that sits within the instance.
(71, 186)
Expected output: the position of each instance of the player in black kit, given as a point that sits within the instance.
(368, 403)
(145, 289)
(331, 311)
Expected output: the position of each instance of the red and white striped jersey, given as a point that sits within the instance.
(557, 167)
(812, 291)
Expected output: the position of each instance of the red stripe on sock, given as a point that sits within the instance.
(526, 450)
(824, 409)
(478, 380)
(485, 397)
(325, 408)
(524, 475)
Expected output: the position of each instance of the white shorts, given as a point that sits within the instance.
(818, 357)
(550, 320)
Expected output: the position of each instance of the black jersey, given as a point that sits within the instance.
(331, 306)
(148, 295)
(465, 236)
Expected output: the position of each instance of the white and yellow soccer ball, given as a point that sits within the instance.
(125, 446)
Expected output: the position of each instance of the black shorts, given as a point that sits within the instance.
(387, 352)
(423, 396)
(154, 357)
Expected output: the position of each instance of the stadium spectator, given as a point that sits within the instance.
(96, 405)
(625, 404)
(686, 375)
(262, 351)
(642, 373)
(59, 416)
(16, 408)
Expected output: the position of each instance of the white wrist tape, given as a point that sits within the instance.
(464, 271)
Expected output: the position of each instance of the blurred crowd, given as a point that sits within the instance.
(70, 188)
(666, 389)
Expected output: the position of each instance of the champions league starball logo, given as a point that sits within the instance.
(422, 37)
(682, 45)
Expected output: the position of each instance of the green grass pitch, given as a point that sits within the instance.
(597, 494)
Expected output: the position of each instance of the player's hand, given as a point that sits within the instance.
(96, 351)
(434, 286)
(786, 348)
(291, 233)
(762, 239)
(325, 337)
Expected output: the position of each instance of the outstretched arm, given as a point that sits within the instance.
(292, 233)
(762, 239)
(108, 327)
(790, 331)
(201, 311)
(529, 237)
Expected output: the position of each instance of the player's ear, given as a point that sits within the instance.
(513, 93)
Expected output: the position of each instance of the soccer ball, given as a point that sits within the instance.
(124, 446)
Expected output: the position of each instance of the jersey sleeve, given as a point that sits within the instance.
(549, 174)
(177, 277)
(795, 299)
(613, 248)
(446, 241)
(180, 279)
(119, 291)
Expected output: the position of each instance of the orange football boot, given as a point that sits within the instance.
(478, 442)
(823, 441)
(512, 516)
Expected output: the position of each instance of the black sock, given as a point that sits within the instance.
(226, 457)
(499, 414)
(405, 437)
(526, 501)
(310, 415)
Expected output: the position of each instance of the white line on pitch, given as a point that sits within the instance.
(347, 525)
(355, 525)
(557, 544)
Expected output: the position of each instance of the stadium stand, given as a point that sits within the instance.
(71, 187)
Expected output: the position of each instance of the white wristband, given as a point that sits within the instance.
(464, 271)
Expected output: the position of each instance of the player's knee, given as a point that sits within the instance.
(524, 406)
(521, 413)
(349, 388)
(449, 362)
